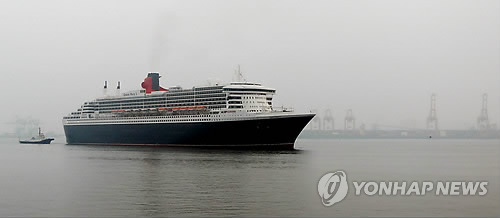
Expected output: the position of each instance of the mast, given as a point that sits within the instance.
(239, 75)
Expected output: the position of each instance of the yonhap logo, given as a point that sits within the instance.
(332, 188)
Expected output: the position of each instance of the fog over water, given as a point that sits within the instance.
(381, 58)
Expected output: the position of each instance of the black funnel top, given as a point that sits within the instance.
(155, 78)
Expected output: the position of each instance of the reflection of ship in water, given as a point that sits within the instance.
(40, 139)
(210, 179)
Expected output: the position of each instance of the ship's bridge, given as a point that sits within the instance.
(252, 97)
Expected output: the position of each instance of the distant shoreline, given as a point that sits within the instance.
(399, 134)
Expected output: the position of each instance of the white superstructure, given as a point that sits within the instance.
(202, 103)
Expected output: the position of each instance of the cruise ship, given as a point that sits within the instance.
(238, 114)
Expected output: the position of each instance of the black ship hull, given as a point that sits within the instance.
(278, 132)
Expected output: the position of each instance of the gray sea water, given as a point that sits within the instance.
(63, 180)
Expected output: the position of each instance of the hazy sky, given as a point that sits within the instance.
(381, 58)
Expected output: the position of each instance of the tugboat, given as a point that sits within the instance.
(40, 139)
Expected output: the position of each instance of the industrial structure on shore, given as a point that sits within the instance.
(322, 126)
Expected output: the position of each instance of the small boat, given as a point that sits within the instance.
(40, 139)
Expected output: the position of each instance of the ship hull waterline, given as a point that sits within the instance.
(272, 133)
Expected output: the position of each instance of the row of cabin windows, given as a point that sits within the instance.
(195, 104)
(252, 106)
(198, 100)
(199, 89)
(191, 92)
(208, 92)
(139, 121)
(207, 88)
(254, 110)
(160, 103)
(158, 99)
(196, 96)
(138, 99)
(182, 117)
(252, 97)
(169, 117)
(251, 94)
(249, 90)
(131, 102)
(168, 105)
(218, 93)
(133, 105)
(150, 104)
